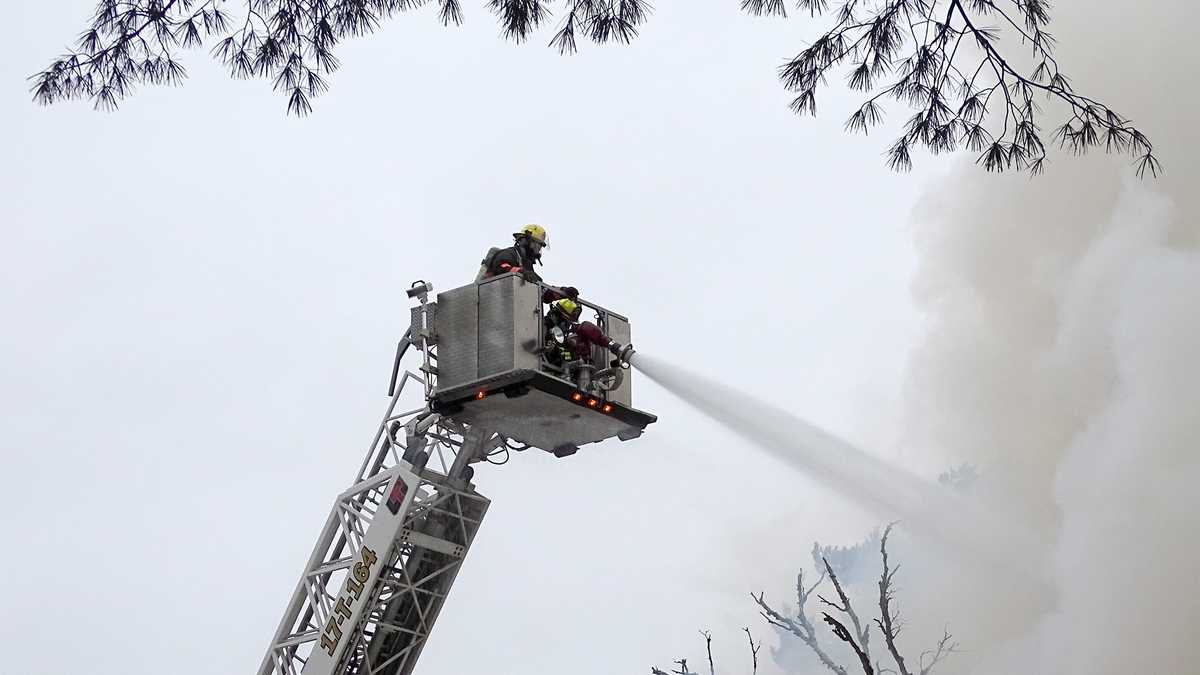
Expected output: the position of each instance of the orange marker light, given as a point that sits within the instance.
(607, 407)
(480, 395)
(577, 396)
(592, 402)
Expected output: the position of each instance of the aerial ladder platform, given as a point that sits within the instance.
(395, 540)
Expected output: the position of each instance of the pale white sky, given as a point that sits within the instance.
(201, 298)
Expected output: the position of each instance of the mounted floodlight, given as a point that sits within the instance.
(420, 291)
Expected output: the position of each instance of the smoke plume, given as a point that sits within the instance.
(1062, 358)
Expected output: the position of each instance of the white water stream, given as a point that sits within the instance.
(961, 527)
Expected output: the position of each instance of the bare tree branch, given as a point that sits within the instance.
(753, 650)
(887, 620)
(708, 647)
(856, 635)
(862, 634)
(800, 626)
(944, 648)
(843, 634)
(683, 669)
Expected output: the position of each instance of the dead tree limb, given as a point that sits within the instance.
(800, 626)
(863, 634)
(753, 650)
(843, 634)
(944, 648)
(888, 620)
(708, 647)
(856, 634)
(683, 669)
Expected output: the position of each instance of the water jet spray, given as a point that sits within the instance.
(964, 528)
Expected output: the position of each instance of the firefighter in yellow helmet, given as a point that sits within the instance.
(520, 258)
(569, 340)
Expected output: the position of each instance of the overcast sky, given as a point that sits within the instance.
(201, 298)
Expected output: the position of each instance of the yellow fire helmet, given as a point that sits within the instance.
(569, 308)
(536, 233)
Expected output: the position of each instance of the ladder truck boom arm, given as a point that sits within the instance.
(395, 540)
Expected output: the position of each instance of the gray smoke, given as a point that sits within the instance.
(970, 532)
(1062, 358)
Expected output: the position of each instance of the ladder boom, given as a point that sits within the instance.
(385, 560)
(394, 542)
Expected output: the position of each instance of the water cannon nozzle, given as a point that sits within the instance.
(626, 356)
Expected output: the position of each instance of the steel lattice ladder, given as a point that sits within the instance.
(389, 552)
